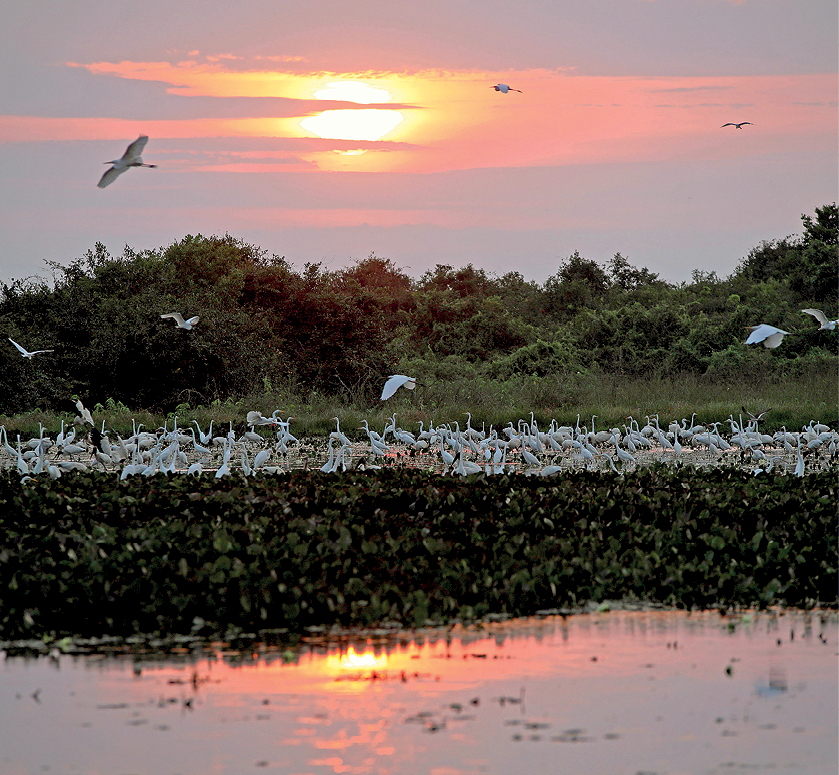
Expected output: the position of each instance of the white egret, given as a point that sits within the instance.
(25, 353)
(503, 88)
(131, 158)
(327, 466)
(260, 459)
(824, 323)
(448, 457)
(84, 415)
(178, 318)
(396, 381)
(768, 335)
(738, 126)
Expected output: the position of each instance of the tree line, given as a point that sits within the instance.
(266, 327)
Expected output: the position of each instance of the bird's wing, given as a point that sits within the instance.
(193, 320)
(774, 340)
(37, 352)
(728, 124)
(392, 385)
(755, 416)
(21, 349)
(176, 316)
(109, 177)
(136, 148)
(759, 333)
(817, 314)
(743, 123)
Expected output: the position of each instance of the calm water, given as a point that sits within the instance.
(653, 692)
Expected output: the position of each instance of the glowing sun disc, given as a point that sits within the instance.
(353, 91)
(367, 124)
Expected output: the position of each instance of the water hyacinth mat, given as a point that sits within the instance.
(88, 555)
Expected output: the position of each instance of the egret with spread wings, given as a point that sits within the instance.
(131, 158)
(25, 353)
(396, 381)
(179, 319)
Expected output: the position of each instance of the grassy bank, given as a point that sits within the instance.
(89, 555)
(793, 401)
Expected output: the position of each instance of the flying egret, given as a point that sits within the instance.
(83, 414)
(25, 353)
(770, 336)
(131, 158)
(756, 417)
(178, 318)
(396, 381)
(739, 126)
(825, 324)
(503, 88)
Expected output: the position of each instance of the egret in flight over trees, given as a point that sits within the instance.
(825, 324)
(770, 336)
(396, 381)
(179, 319)
(131, 158)
(738, 126)
(25, 353)
(503, 88)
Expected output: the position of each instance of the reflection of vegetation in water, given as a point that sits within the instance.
(316, 337)
(88, 554)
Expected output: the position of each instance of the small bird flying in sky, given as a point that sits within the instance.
(131, 158)
(502, 87)
(396, 381)
(739, 126)
(179, 319)
(25, 353)
(824, 323)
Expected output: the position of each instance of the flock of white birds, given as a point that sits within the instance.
(461, 451)
(445, 447)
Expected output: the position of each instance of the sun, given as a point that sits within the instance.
(348, 124)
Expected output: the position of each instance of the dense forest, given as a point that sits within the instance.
(267, 328)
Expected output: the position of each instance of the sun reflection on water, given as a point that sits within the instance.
(602, 693)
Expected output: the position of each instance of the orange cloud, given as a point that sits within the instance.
(455, 120)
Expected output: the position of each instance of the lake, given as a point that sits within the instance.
(611, 692)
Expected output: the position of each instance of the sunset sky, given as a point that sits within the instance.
(324, 131)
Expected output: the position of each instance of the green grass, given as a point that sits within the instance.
(793, 403)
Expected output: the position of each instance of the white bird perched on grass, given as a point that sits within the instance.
(131, 158)
(503, 88)
(178, 318)
(768, 335)
(396, 381)
(824, 323)
(738, 126)
(25, 353)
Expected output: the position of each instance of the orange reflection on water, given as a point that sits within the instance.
(600, 693)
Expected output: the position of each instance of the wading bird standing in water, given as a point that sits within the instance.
(131, 158)
(738, 126)
(179, 319)
(503, 88)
